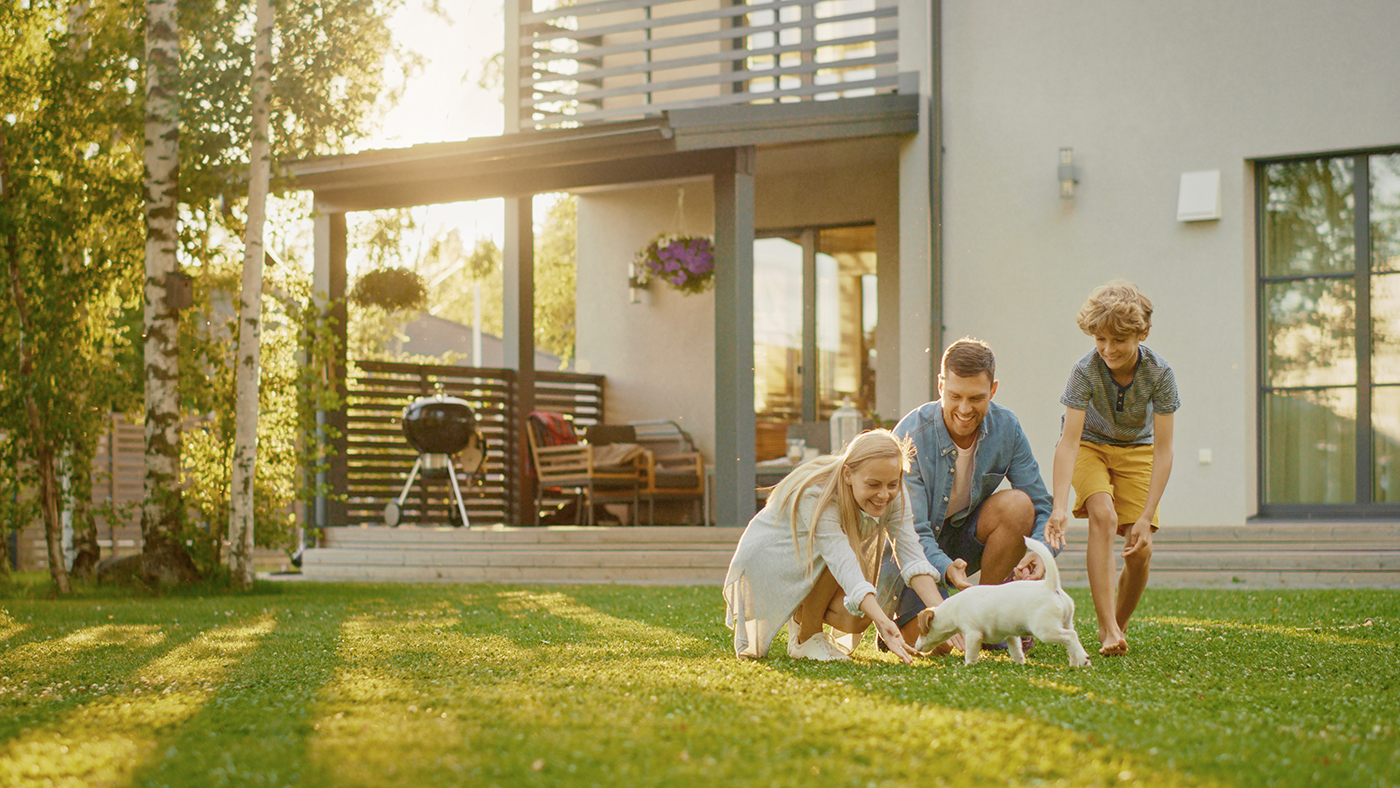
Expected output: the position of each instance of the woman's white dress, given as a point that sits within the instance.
(768, 578)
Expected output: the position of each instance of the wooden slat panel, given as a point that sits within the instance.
(381, 458)
(579, 66)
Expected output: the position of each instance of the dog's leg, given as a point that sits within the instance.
(973, 642)
(1068, 638)
(1016, 650)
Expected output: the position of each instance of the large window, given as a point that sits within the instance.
(814, 327)
(1329, 311)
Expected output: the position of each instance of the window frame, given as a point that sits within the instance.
(1364, 507)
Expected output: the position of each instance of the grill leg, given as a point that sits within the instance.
(411, 476)
(457, 492)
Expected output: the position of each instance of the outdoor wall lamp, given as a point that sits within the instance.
(1069, 175)
(635, 284)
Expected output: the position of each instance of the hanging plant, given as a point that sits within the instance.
(685, 262)
(390, 289)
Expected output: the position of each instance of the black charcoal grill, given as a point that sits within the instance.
(439, 427)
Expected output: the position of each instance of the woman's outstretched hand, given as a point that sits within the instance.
(892, 637)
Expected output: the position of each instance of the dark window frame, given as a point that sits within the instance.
(1364, 507)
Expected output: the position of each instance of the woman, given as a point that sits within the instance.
(812, 556)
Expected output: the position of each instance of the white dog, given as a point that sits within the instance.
(990, 614)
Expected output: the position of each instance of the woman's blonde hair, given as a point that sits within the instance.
(825, 473)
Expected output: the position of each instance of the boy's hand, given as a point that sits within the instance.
(1138, 537)
(1055, 529)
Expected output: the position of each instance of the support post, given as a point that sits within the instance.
(734, 364)
(329, 283)
(519, 345)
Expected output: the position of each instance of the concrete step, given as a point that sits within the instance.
(1273, 555)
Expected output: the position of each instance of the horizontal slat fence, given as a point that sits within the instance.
(619, 59)
(380, 457)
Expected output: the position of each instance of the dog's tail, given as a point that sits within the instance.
(1052, 572)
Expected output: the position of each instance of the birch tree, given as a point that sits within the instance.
(245, 447)
(164, 559)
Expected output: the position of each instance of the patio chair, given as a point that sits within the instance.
(675, 471)
(598, 473)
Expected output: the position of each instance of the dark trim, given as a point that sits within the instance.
(1269, 280)
(1322, 512)
(935, 191)
(1332, 154)
(1361, 202)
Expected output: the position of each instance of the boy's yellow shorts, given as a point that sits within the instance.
(1124, 472)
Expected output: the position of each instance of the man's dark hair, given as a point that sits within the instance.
(968, 358)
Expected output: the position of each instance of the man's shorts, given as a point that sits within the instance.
(1124, 472)
(958, 541)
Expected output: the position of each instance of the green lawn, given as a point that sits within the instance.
(301, 684)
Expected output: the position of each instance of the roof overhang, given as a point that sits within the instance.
(678, 144)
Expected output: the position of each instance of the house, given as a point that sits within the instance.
(881, 176)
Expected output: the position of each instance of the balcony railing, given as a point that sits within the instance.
(626, 59)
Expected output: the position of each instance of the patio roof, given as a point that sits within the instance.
(676, 144)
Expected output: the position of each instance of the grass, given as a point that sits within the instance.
(377, 685)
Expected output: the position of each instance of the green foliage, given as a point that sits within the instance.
(332, 684)
(390, 289)
(556, 275)
(71, 221)
(71, 232)
(207, 378)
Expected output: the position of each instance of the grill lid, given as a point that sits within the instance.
(439, 424)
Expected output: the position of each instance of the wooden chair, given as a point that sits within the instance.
(674, 470)
(572, 466)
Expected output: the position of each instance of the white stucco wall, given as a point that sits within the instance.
(1142, 92)
(658, 355)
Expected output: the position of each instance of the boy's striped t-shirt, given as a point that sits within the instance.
(1121, 415)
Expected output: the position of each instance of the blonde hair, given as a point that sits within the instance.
(1116, 309)
(825, 473)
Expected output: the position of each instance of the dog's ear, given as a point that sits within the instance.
(925, 620)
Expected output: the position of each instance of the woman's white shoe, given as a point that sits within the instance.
(818, 647)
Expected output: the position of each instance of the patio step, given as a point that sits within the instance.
(1276, 555)
(1297, 555)
(671, 555)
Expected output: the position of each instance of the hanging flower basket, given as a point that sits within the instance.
(685, 262)
(390, 289)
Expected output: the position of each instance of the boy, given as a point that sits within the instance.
(1116, 448)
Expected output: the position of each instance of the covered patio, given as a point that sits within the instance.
(715, 143)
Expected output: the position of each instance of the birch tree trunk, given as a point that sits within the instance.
(164, 559)
(245, 440)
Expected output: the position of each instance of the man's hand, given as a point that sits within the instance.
(1030, 568)
(956, 575)
(1055, 529)
(1138, 537)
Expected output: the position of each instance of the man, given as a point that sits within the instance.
(965, 446)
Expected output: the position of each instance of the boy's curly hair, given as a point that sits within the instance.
(1116, 309)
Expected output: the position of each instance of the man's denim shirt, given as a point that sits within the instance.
(1002, 453)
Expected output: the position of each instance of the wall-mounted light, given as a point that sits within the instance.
(1069, 175)
(635, 284)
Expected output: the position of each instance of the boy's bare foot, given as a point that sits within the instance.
(1114, 646)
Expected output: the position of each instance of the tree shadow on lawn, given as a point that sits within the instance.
(78, 654)
(253, 729)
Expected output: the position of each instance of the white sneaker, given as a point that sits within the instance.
(818, 647)
(847, 641)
